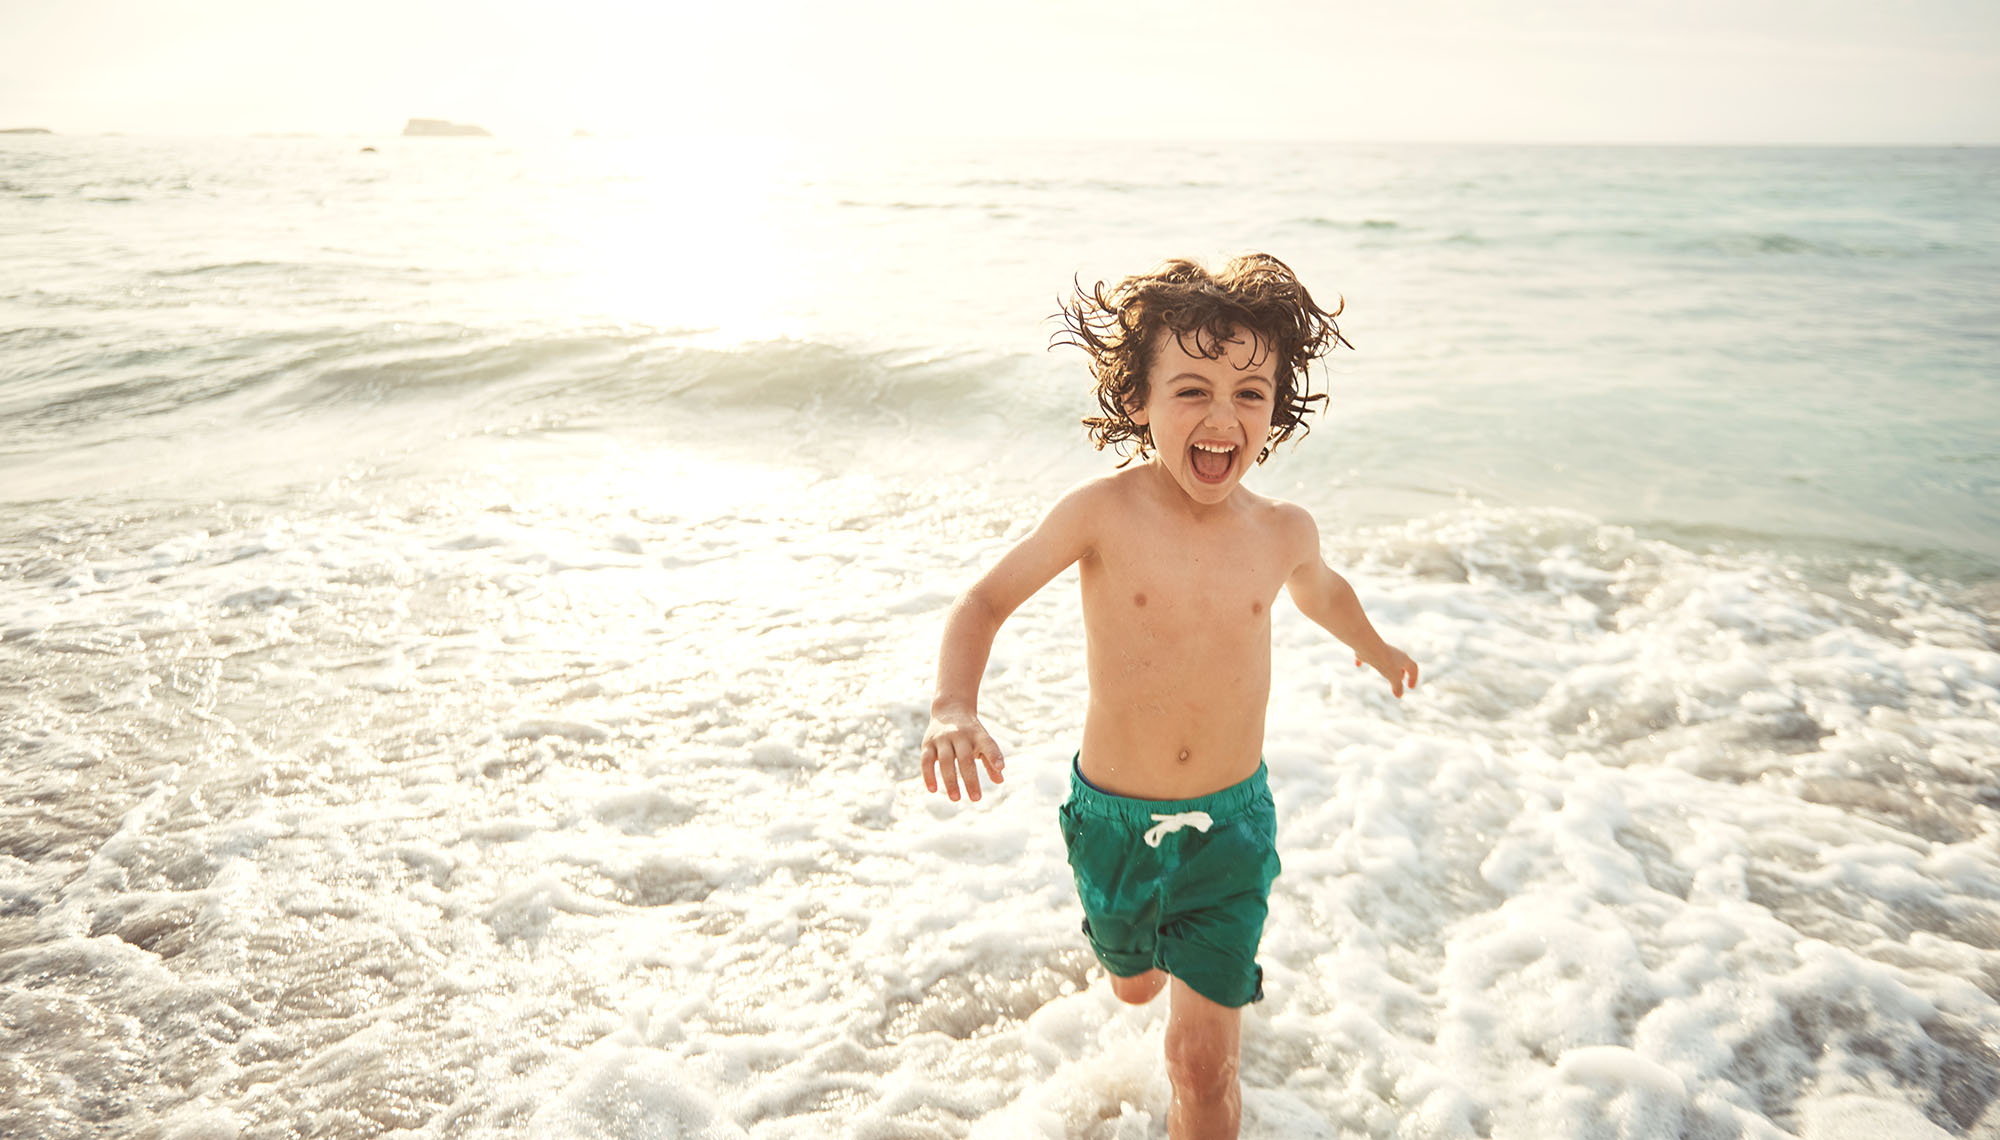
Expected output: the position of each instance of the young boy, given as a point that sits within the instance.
(1169, 823)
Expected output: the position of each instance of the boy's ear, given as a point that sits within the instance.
(1135, 409)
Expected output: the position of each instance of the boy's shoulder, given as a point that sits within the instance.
(1126, 498)
(1115, 491)
(1287, 524)
(1289, 515)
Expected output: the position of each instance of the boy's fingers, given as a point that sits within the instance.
(948, 767)
(1413, 674)
(990, 752)
(953, 760)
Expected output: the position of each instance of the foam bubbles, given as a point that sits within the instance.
(548, 804)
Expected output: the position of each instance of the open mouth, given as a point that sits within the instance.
(1212, 461)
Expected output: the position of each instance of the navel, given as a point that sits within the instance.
(1184, 755)
(1139, 600)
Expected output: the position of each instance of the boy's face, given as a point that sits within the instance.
(1209, 419)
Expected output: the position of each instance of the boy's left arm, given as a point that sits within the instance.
(1328, 599)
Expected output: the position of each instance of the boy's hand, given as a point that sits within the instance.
(1393, 664)
(954, 744)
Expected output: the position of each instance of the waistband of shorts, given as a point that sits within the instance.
(1228, 803)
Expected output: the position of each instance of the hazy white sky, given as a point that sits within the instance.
(1807, 71)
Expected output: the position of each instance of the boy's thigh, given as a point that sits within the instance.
(1127, 949)
(1199, 1029)
(1216, 907)
(1123, 927)
(1214, 950)
(1118, 881)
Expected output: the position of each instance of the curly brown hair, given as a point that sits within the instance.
(1256, 292)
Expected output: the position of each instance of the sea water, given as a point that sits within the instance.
(468, 611)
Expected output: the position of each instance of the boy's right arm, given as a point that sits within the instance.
(956, 743)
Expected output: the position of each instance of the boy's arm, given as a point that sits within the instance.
(1327, 599)
(955, 741)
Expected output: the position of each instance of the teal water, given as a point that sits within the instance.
(468, 613)
(1793, 347)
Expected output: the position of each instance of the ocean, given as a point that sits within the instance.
(468, 610)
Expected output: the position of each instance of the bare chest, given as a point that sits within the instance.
(1220, 581)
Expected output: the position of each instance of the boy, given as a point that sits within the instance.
(1169, 823)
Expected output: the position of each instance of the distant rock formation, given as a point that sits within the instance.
(441, 128)
(25, 131)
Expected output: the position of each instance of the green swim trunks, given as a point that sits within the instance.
(1182, 885)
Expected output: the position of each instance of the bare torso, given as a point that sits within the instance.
(1177, 616)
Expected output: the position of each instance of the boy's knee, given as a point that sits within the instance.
(1139, 988)
(1201, 1067)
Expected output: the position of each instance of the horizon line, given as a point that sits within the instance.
(584, 135)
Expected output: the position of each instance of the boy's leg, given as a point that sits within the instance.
(1139, 988)
(1204, 1040)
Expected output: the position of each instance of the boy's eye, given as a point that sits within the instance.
(1251, 394)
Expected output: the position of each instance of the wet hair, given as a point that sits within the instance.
(1256, 293)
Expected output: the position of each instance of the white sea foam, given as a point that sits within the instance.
(526, 834)
(480, 699)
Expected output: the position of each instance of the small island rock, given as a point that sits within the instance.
(442, 128)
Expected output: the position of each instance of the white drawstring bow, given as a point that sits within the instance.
(1165, 825)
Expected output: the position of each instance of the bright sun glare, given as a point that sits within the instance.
(701, 231)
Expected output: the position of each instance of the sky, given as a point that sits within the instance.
(1635, 71)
